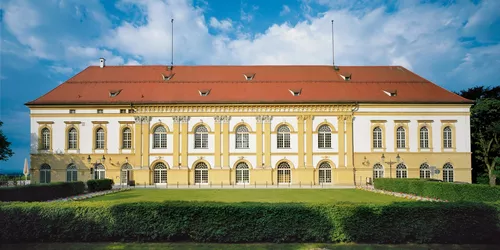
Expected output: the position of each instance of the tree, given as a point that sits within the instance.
(485, 128)
(5, 151)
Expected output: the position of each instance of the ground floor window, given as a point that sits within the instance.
(378, 171)
(425, 171)
(325, 173)
(401, 171)
(284, 173)
(201, 173)
(448, 172)
(160, 173)
(99, 172)
(126, 173)
(242, 173)
(71, 173)
(45, 173)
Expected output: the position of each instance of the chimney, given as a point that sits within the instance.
(102, 64)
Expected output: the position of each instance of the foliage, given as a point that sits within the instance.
(100, 185)
(485, 124)
(5, 151)
(440, 190)
(418, 222)
(42, 192)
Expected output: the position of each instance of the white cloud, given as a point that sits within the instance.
(285, 10)
(224, 25)
(61, 69)
(132, 62)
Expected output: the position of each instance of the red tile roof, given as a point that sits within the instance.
(228, 84)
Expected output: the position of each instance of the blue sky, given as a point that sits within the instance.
(454, 43)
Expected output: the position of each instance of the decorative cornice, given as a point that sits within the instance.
(448, 121)
(378, 121)
(142, 119)
(243, 108)
(126, 122)
(72, 122)
(100, 122)
(45, 122)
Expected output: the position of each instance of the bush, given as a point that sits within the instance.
(440, 190)
(42, 192)
(417, 222)
(100, 185)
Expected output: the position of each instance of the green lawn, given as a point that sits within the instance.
(250, 195)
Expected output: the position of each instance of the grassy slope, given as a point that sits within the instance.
(252, 195)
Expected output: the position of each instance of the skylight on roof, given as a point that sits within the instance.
(167, 77)
(204, 92)
(391, 92)
(113, 93)
(249, 76)
(295, 92)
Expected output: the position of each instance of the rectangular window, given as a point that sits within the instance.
(72, 111)
(100, 111)
(123, 111)
(131, 111)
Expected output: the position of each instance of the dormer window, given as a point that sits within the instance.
(391, 92)
(113, 93)
(249, 76)
(204, 92)
(167, 77)
(346, 76)
(295, 92)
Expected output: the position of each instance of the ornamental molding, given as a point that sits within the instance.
(181, 119)
(244, 108)
(222, 118)
(142, 119)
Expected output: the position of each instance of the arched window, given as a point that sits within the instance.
(201, 173)
(99, 172)
(201, 137)
(160, 137)
(72, 138)
(425, 171)
(378, 171)
(448, 172)
(126, 173)
(242, 173)
(325, 173)
(71, 173)
(283, 137)
(324, 137)
(99, 139)
(401, 171)
(127, 138)
(45, 143)
(377, 137)
(242, 139)
(424, 137)
(160, 174)
(400, 137)
(447, 141)
(284, 173)
(45, 173)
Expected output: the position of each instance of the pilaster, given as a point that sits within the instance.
(175, 145)
(258, 141)
(349, 140)
(341, 136)
(309, 139)
(300, 148)
(217, 152)
(184, 121)
(225, 138)
(266, 119)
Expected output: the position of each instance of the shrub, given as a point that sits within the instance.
(417, 222)
(100, 185)
(42, 192)
(441, 190)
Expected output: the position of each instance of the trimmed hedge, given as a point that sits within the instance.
(416, 222)
(440, 190)
(42, 192)
(100, 185)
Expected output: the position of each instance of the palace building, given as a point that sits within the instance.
(262, 125)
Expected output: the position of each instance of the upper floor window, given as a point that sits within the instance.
(283, 137)
(160, 137)
(201, 137)
(324, 137)
(447, 141)
(377, 137)
(123, 111)
(424, 137)
(100, 111)
(401, 137)
(127, 138)
(72, 111)
(45, 143)
(242, 137)
(72, 138)
(100, 138)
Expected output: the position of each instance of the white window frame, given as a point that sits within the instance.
(201, 137)
(425, 171)
(242, 137)
(448, 172)
(447, 137)
(424, 137)
(160, 173)
(99, 172)
(401, 171)
(100, 140)
(378, 171)
(283, 137)
(324, 137)
(325, 173)
(242, 173)
(400, 137)
(72, 138)
(284, 173)
(45, 139)
(127, 138)
(201, 173)
(377, 137)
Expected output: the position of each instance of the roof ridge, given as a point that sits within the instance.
(253, 81)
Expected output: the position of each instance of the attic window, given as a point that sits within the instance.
(113, 93)
(391, 92)
(249, 76)
(204, 92)
(346, 76)
(167, 77)
(295, 92)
